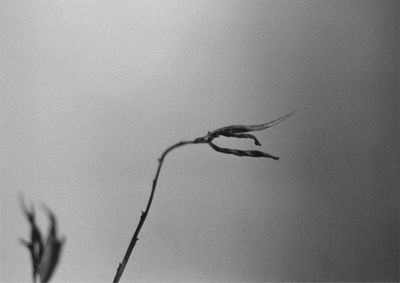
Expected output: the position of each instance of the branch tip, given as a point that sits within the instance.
(237, 131)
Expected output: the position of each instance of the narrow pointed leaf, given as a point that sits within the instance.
(50, 258)
(234, 129)
(249, 153)
(243, 136)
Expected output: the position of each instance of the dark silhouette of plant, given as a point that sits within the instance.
(235, 131)
(44, 255)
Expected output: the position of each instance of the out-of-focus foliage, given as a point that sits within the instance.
(45, 255)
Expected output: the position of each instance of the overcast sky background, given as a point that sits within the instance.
(93, 91)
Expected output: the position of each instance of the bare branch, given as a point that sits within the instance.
(235, 131)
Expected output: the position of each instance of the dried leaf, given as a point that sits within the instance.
(234, 129)
(243, 136)
(249, 153)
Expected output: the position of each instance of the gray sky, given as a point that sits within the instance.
(92, 92)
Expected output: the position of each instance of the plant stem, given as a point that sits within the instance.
(237, 131)
(144, 214)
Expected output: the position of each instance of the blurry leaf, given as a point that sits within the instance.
(44, 256)
(35, 245)
(51, 251)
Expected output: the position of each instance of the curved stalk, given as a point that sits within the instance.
(237, 131)
(144, 214)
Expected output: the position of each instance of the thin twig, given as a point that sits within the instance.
(144, 214)
(236, 131)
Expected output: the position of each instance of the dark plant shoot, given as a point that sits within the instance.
(234, 131)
